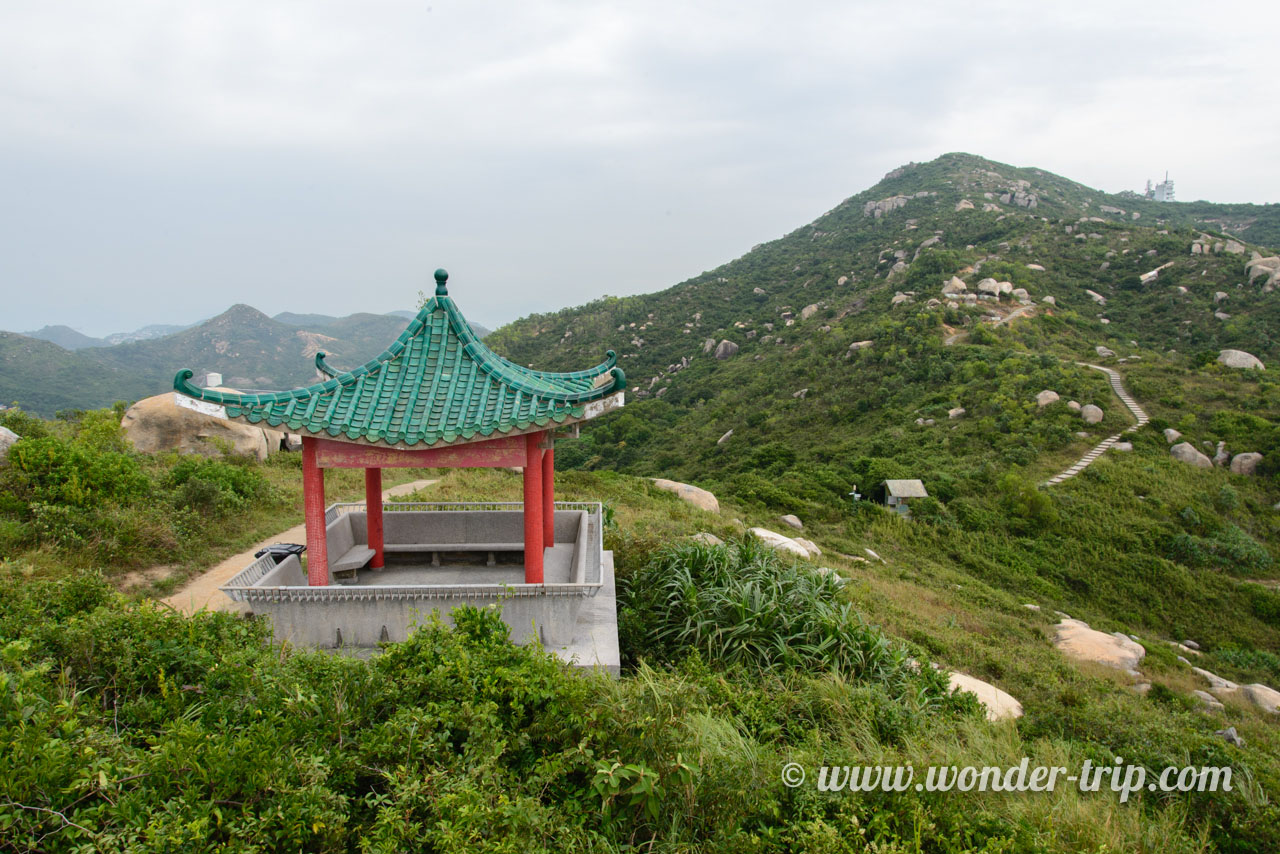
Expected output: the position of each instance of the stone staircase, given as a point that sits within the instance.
(1102, 447)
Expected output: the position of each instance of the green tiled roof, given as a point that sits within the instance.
(437, 383)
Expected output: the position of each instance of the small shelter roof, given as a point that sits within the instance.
(906, 488)
(436, 383)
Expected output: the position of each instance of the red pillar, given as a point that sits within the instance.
(313, 504)
(373, 514)
(532, 508)
(549, 492)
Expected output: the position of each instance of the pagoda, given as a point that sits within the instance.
(437, 397)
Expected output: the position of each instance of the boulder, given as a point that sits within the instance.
(699, 498)
(1171, 435)
(964, 205)
(1122, 446)
(801, 394)
(1049, 300)
(758, 291)
(726, 349)
(1073, 405)
(158, 424)
(793, 521)
(899, 298)
(1240, 359)
(1216, 682)
(1097, 297)
(1221, 458)
(1187, 453)
(1090, 413)
(955, 286)
(999, 706)
(708, 345)
(779, 543)
(1246, 463)
(808, 545)
(1046, 397)
(1267, 699)
(1230, 736)
(1208, 702)
(726, 437)
(958, 412)
(1076, 640)
(808, 311)
(707, 539)
(989, 286)
(1104, 352)
(859, 345)
(1036, 267)
(7, 440)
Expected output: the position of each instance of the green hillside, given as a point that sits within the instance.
(796, 419)
(248, 348)
(44, 378)
(131, 726)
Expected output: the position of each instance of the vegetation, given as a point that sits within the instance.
(127, 726)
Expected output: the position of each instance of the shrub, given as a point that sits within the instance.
(213, 486)
(741, 605)
(52, 471)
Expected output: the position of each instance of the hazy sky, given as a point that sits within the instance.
(160, 161)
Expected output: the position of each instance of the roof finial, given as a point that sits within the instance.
(442, 276)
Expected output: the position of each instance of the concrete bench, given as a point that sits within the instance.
(489, 532)
(346, 555)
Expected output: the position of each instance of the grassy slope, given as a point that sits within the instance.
(954, 597)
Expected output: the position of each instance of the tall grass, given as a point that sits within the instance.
(739, 604)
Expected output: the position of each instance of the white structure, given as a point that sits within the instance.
(1162, 192)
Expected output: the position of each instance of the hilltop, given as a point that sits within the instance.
(831, 359)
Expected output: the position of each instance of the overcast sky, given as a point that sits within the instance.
(160, 161)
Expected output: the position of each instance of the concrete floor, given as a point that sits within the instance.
(404, 569)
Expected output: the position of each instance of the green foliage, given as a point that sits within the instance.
(1030, 509)
(741, 605)
(215, 486)
(54, 471)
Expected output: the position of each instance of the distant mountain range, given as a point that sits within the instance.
(58, 368)
(69, 339)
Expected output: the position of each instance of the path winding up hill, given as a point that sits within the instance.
(1101, 448)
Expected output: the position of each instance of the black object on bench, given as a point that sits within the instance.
(280, 551)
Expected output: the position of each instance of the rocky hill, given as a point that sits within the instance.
(836, 338)
(911, 332)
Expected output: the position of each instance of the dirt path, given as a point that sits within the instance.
(202, 591)
(1101, 448)
(1023, 311)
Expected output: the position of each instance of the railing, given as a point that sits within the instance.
(594, 509)
(241, 588)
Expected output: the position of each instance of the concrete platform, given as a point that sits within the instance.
(405, 570)
(595, 642)
(442, 561)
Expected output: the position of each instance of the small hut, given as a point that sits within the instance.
(896, 494)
